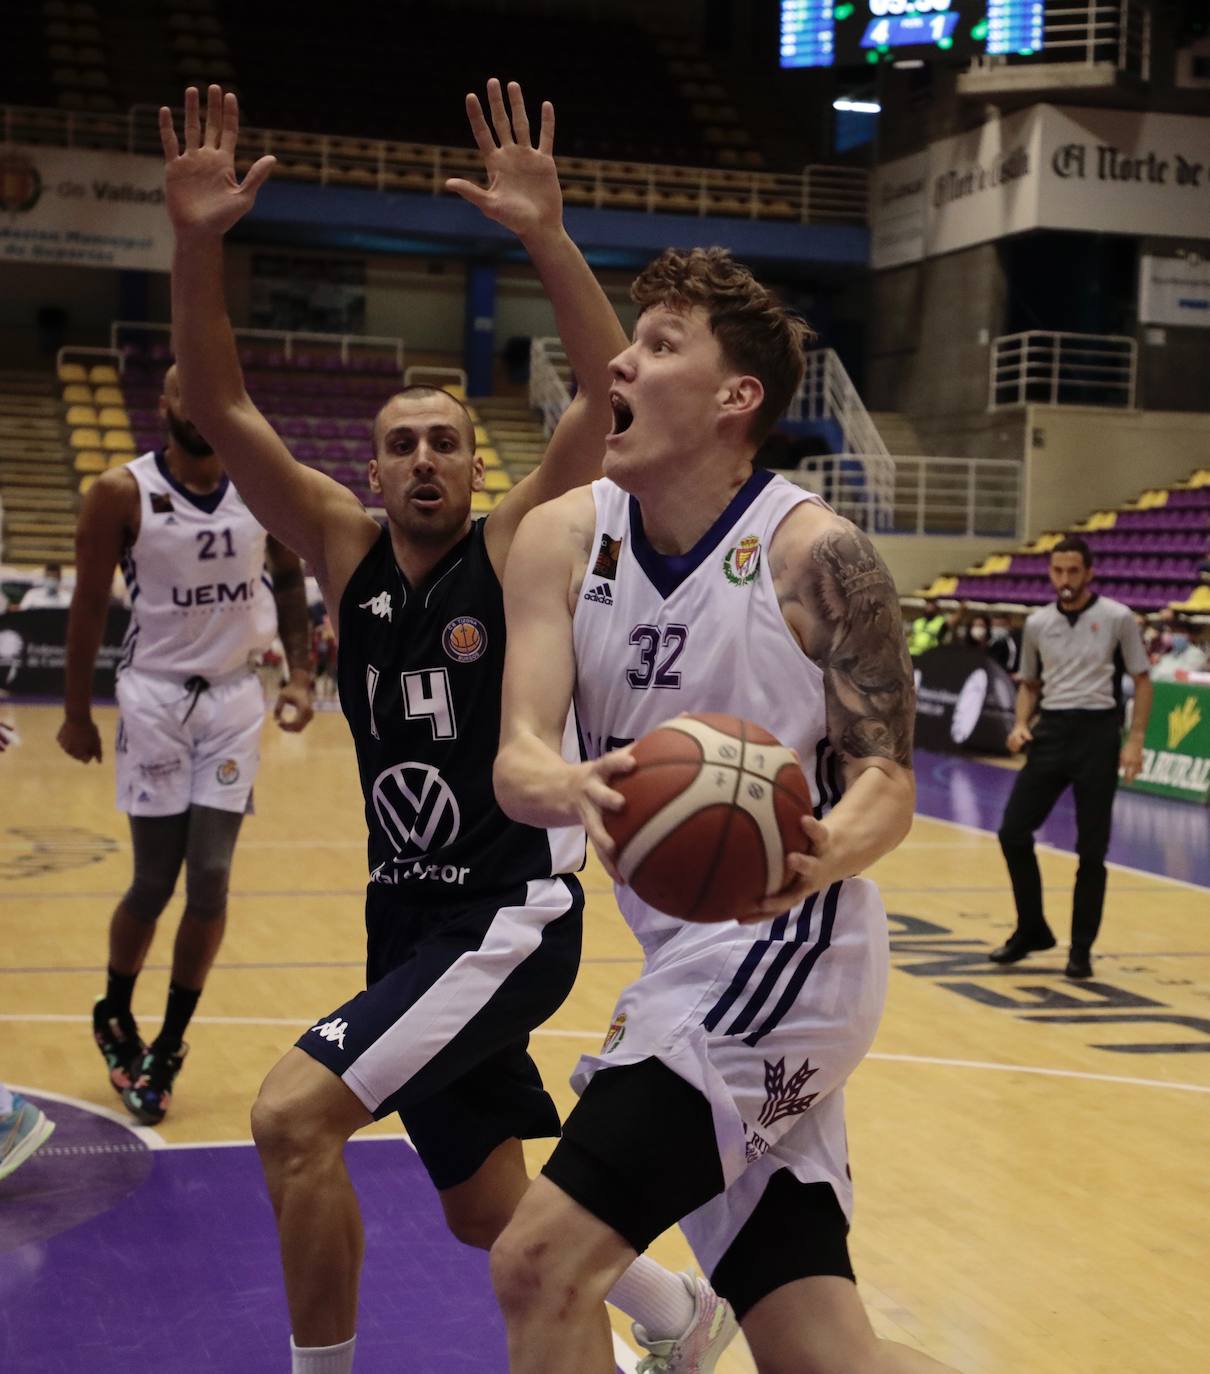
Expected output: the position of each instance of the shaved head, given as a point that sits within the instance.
(424, 393)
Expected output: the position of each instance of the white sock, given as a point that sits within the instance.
(658, 1300)
(6, 1100)
(322, 1359)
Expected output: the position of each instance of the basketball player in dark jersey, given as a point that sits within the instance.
(473, 921)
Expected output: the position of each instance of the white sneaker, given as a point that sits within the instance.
(697, 1349)
(22, 1132)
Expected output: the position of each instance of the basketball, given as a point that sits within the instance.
(713, 807)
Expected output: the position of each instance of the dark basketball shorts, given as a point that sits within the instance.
(638, 1152)
(441, 1033)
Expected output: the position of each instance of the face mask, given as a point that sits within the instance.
(999, 633)
(978, 633)
(1180, 643)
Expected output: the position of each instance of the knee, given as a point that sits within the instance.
(147, 897)
(1014, 839)
(286, 1129)
(206, 891)
(523, 1272)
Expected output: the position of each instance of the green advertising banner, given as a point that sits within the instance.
(1176, 748)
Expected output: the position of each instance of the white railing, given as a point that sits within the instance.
(919, 495)
(1053, 368)
(288, 339)
(828, 393)
(547, 390)
(820, 194)
(1090, 33)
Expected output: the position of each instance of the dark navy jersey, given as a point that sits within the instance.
(420, 672)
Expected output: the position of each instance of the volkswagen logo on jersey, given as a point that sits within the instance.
(416, 808)
(464, 639)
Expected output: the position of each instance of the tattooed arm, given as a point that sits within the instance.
(839, 602)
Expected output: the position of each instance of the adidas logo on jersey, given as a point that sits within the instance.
(378, 605)
(600, 593)
(332, 1030)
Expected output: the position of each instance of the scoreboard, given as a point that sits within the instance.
(827, 33)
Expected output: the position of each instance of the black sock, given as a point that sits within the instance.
(181, 1004)
(119, 988)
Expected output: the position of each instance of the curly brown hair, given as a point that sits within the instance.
(756, 333)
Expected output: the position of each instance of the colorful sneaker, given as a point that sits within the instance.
(697, 1349)
(24, 1130)
(151, 1092)
(119, 1041)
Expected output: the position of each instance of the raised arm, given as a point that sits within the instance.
(303, 508)
(523, 195)
(840, 601)
(105, 527)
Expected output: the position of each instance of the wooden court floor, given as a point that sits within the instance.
(1030, 1155)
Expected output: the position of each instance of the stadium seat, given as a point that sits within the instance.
(77, 394)
(72, 372)
(81, 415)
(103, 374)
(86, 438)
(108, 396)
(118, 440)
(89, 460)
(114, 417)
(496, 479)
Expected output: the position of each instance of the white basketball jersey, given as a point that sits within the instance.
(201, 601)
(656, 635)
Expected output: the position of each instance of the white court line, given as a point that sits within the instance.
(594, 1035)
(148, 1135)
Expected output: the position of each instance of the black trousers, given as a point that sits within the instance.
(1076, 749)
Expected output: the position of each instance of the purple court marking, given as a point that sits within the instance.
(184, 1275)
(1168, 838)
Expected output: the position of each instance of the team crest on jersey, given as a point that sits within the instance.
(161, 503)
(227, 772)
(616, 1034)
(607, 557)
(742, 563)
(464, 639)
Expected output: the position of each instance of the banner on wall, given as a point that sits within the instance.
(83, 208)
(33, 652)
(1174, 290)
(1176, 747)
(964, 700)
(1112, 171)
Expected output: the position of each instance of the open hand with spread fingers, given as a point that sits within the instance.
(202, 192)
(522, 190)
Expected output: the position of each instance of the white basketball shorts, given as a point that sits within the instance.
(178, 747)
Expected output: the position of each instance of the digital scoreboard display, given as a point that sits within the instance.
(844, 33)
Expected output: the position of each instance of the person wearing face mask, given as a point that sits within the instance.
(47, 593)
(1002, 644)
(978, 632)
(1069, 655)
(1183, 657)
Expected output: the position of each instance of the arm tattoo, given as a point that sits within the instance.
(849, 594)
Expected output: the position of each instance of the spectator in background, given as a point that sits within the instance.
(928, 629)
(1182, 657)
(977, 632)
(48, 592)
(1004, 643)
(1161, 641)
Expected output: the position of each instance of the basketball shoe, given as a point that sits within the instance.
(697, 1349)
(120, 1043)
(148, 1096)
(22, 1131)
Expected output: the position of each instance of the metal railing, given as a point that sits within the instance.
(919, 495)
(1051, 368)
(828, 393)
(289, 340)
(1090, 33)
(820, 194)
(547, 390)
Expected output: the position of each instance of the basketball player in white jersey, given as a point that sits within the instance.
(685, 581)
(208, 591)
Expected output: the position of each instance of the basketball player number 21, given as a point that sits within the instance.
(667, 645)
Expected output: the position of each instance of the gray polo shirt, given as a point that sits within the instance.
(1077, 660)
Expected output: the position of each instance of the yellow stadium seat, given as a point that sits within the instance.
(496, 479)
(81, 415)
(119, 460)
(89, 460)
(119, 440)
(77, 394)
(482, 436)
(102, 374)
(1201, 478)
(110, 396)
(114, 417)
(1199, 601)
(482, 502)
(491, 458)
(86, 438)
(72, 372)
(456, 389)
(86, 482)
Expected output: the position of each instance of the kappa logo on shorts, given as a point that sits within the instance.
(333, 1030)
(227, 772)
(379, 605)
(616, 1034)
(464, 639)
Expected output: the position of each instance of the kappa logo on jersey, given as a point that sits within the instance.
(161, 503)
(333, 1030)
(416, 808)
(600, 593)
(227, 772)
(379, 605)
(782, 1093)
(464, 639)
(742, 563)
(607, 557)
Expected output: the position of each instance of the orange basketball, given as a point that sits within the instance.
(464, 638)
(713, 807)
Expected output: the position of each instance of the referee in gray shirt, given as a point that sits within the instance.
(1072, 654)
